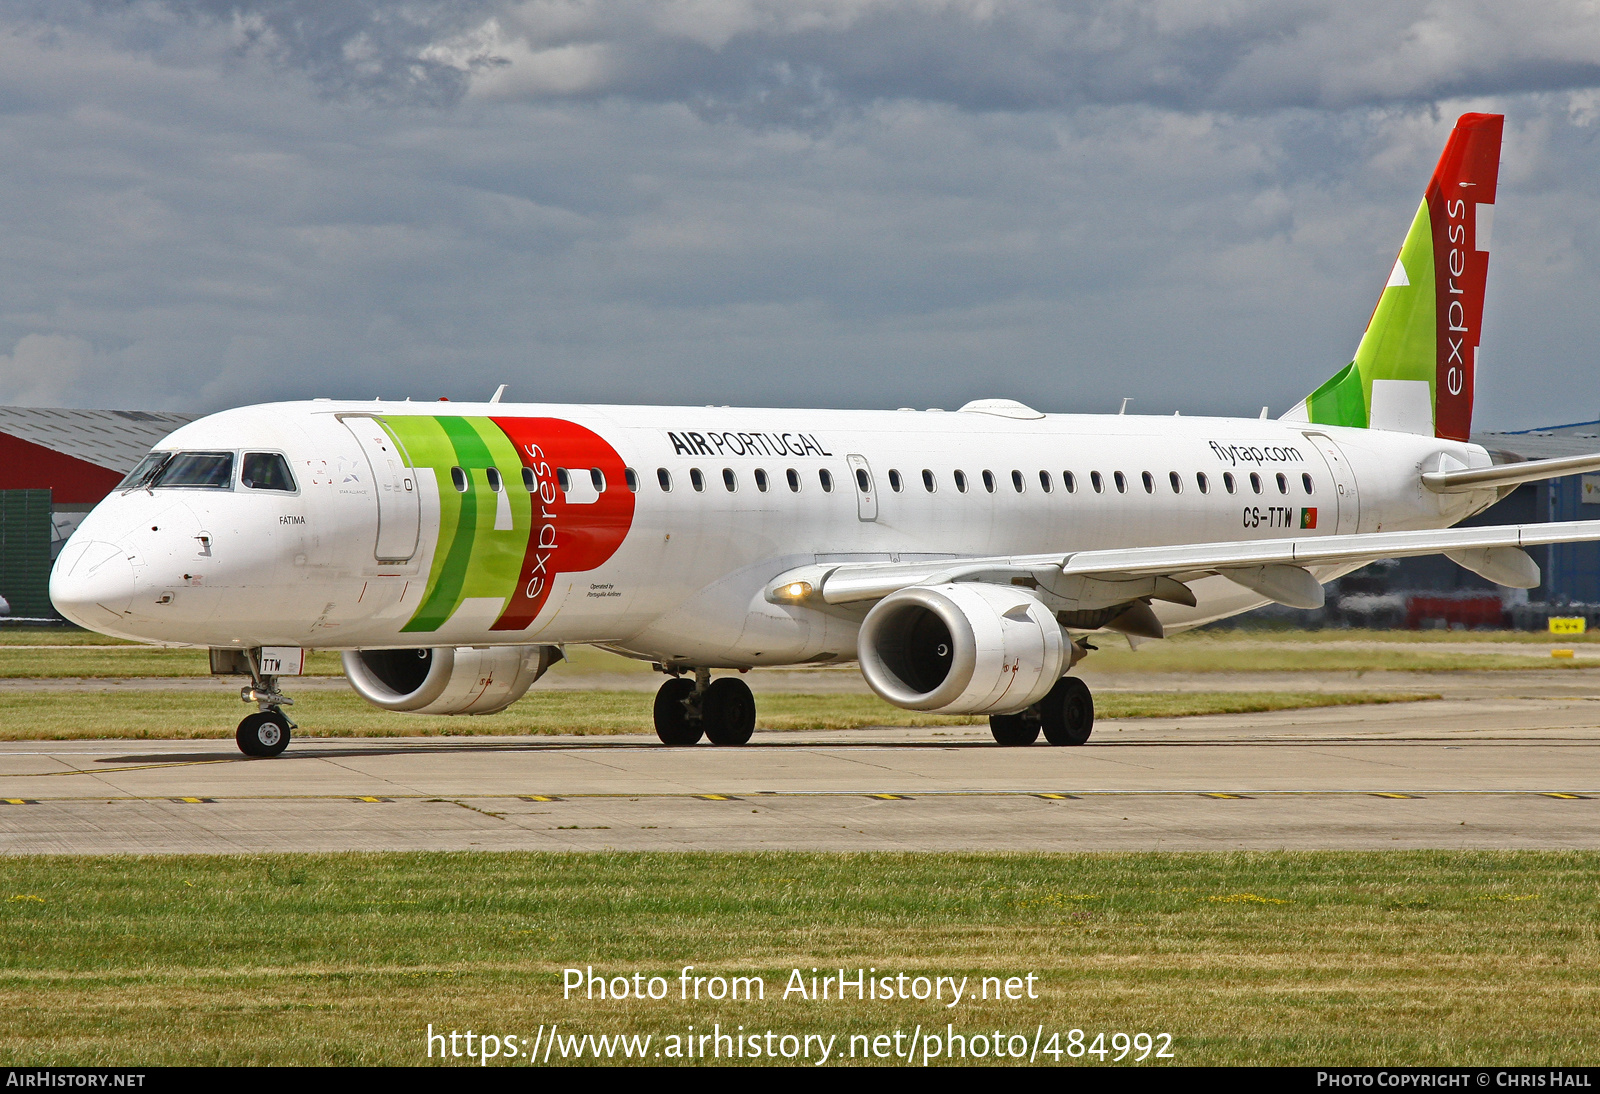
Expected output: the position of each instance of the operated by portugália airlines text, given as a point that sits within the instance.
(825, 985)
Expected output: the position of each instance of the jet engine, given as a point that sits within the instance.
(447, 679)
(966, 648)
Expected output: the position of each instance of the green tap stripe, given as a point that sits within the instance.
(444, 593)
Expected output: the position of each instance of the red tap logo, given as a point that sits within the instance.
(568, 536)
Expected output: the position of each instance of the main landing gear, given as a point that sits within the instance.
(1065, 716)
(266, 732)
(722, 710)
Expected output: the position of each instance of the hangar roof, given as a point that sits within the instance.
(113, 439)
(1546, 442)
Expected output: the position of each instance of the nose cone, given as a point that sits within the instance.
(92, 584)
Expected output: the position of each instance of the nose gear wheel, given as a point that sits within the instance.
(265, 733)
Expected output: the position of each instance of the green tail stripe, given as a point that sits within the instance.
(1340, 401)
(1399, 340)
(445, 595)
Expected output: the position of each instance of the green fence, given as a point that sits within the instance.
(25, 552)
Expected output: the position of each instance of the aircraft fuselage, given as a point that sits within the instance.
(655, 530)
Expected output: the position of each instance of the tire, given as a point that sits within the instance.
(264, 734)
(672, 718)
(730, 711)
(1067, 713)
(1013, 730)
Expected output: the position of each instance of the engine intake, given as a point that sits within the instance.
(966, 648)
(447, 679)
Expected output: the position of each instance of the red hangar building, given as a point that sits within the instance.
(55, 464)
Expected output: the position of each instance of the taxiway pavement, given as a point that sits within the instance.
(1475, 770)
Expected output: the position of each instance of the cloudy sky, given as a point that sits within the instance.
(800, 202)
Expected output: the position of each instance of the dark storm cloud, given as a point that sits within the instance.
(836, 203)
(793, 60)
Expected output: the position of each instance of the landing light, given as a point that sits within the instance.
(795, 590)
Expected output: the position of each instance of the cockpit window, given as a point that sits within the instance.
(212, 470)
(146, 469)
(266, 471)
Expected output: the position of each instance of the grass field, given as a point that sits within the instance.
(47, 715)
(1315, 958)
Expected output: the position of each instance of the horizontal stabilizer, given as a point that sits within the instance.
(1508, 474)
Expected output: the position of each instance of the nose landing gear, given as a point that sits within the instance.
(722, 710)
(266, 732)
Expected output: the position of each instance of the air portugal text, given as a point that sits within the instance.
(689, 443)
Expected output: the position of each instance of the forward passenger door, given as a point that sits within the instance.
(394, 481)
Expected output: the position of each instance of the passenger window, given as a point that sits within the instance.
(266, 471)
(988, 481)
(212, 470)
(1177, 483)
(927, 480)
(896, 483)
(825, 477)
(1097, 482)
(563, 480)
(1283, 483)
(631, 477)
(493, 475)
(459, 478)
(1149, 481)
(1255, 482)
(1070, 481)
(761, 480)
(961, 481)
(1122, 482)
(697, 480)
(794, 480)
(1016, 481)
(1202, 482)
(1227, 481)
(598, 477)
(663, 477)
(1305, 481)
(862, 482)
(729, 479)
(531, 481)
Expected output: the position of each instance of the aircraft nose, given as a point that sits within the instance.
(92, 583)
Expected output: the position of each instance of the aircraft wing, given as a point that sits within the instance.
(1269, 566)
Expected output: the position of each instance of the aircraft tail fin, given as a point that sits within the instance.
(1415, 368)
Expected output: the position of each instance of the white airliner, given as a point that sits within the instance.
(964, 559)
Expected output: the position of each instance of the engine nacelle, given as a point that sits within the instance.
(966, 648)
(447, 679)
